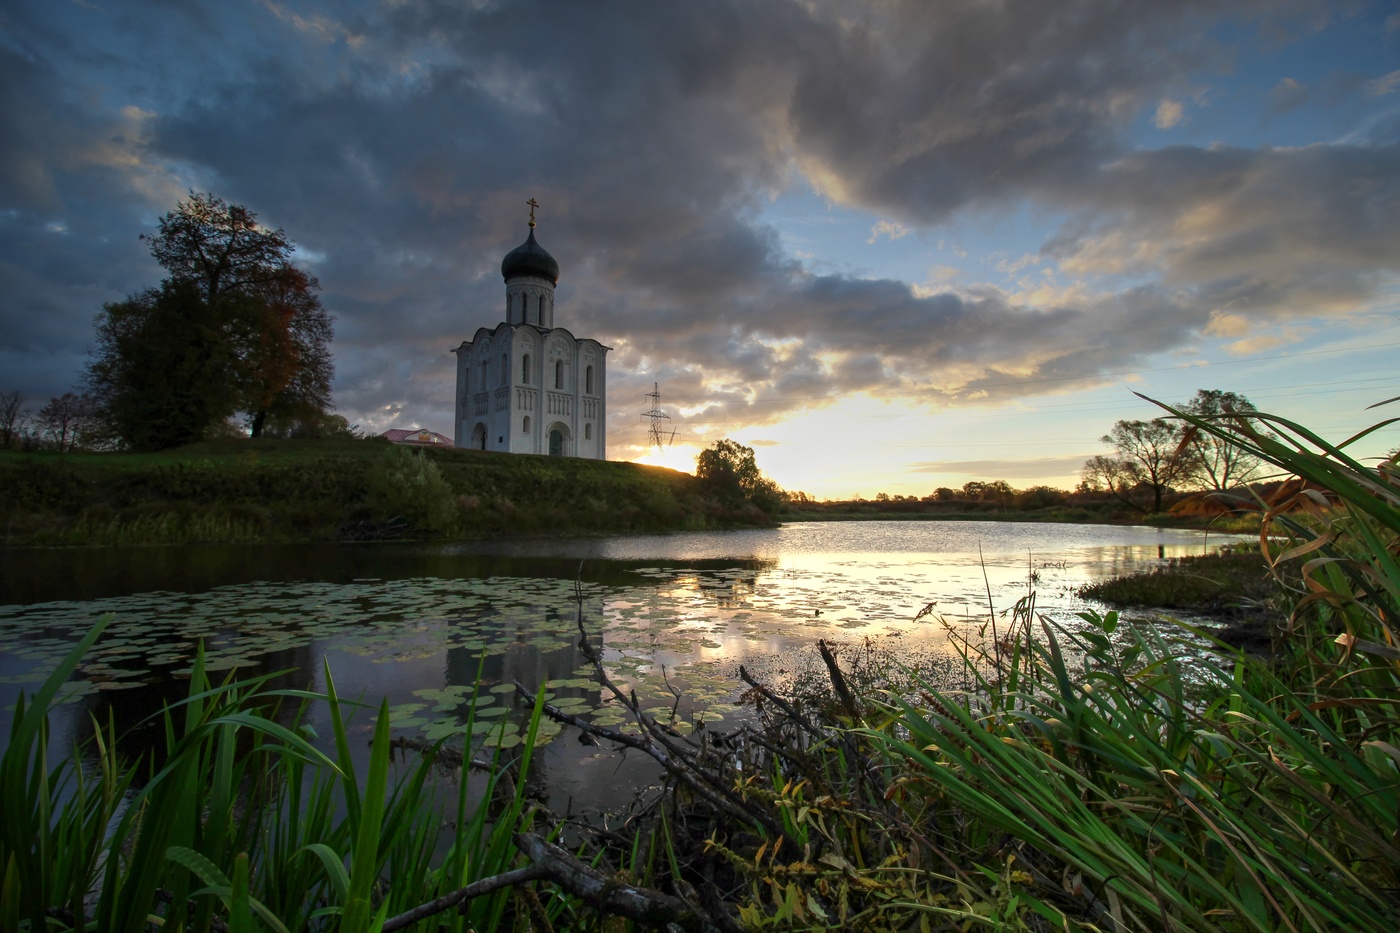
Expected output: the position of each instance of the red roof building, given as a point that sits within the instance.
(418, 438)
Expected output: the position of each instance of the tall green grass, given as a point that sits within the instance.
(1145, 791)
(240, 823)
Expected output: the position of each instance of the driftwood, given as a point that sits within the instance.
(600, 891)
(709, 798)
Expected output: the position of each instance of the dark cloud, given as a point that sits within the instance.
(396, 145)
(1287, 95)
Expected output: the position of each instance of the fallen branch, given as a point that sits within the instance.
(609, 895)
(475, 889)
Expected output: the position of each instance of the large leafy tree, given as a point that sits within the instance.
(1148, 460)
(161, 366)
(1218, 463)
(731, 472)
(233, 327)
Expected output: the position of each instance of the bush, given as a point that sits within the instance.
(405, 484)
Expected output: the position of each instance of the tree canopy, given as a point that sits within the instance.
(1148, 460)
(234, 327)
(1219, 464)
(731, 472)
(1152, 457)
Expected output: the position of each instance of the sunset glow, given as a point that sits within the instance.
(891, 248)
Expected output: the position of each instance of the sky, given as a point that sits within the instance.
(891, 246)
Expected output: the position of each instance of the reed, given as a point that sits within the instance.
(1214, 793)
(241, 822)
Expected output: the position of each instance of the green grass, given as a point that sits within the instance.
(239, 823)
(246, 490)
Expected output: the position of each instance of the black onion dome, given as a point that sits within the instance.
(530, 258)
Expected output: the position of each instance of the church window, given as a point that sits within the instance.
(558, 374)
(484, 367)
(525, 370)
(588, 432)
(526, 425)
(505, 369)
(541, 310)
(588, 380)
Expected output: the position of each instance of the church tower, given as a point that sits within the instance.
(526, 386)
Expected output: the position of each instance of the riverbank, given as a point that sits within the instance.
(251, 491)
(1233, 586)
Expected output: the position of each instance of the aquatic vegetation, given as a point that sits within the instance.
(240, 822)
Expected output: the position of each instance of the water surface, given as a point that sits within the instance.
(673, 614)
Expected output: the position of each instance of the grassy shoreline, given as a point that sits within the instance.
(290, 491)
(252, 491)
(1233, 586)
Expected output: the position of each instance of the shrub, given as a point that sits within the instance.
(406, 484)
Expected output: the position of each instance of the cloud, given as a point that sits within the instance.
(398, 143)
(1169, 114)
(1287, 95)
(1004, 469)
(1385, 84)
(887, 228)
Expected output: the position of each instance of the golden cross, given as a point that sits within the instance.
(533, 204)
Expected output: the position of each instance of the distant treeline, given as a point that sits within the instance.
(998, 500)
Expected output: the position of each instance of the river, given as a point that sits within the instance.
(675, 616)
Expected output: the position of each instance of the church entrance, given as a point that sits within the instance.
(479, 437)
(560, 441)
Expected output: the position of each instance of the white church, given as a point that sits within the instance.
(526, 386)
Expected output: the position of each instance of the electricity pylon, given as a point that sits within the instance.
(658, 435)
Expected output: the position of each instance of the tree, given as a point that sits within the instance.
(286, 362)
(1149, 454)
(13, 417)
(1220, 464)
(1119, 477)
(730, 470)
(219, 247)
(162, 367)
(235, 327)
(65, 418)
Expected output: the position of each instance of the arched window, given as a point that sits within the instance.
(484, 367)
(525, 370)
(526, 425)
(505, 368)
(558, 374)
(588, 380)
(541, 310)
(588, 432)
(524, 310)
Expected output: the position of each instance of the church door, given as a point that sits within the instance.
(556, 443)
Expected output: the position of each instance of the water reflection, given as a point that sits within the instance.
(671, 613)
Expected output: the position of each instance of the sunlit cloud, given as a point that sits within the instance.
(1169, 114)
(888, 229)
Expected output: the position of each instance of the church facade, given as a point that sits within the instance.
(526, 386)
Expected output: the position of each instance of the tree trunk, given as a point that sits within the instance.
(259, 419)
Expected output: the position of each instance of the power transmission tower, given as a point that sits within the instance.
(658, 435)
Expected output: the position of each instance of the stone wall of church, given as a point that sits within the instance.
(528, 391)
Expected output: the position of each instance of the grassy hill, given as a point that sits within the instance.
(280, 490)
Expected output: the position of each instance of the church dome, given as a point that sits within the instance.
(530, 258)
